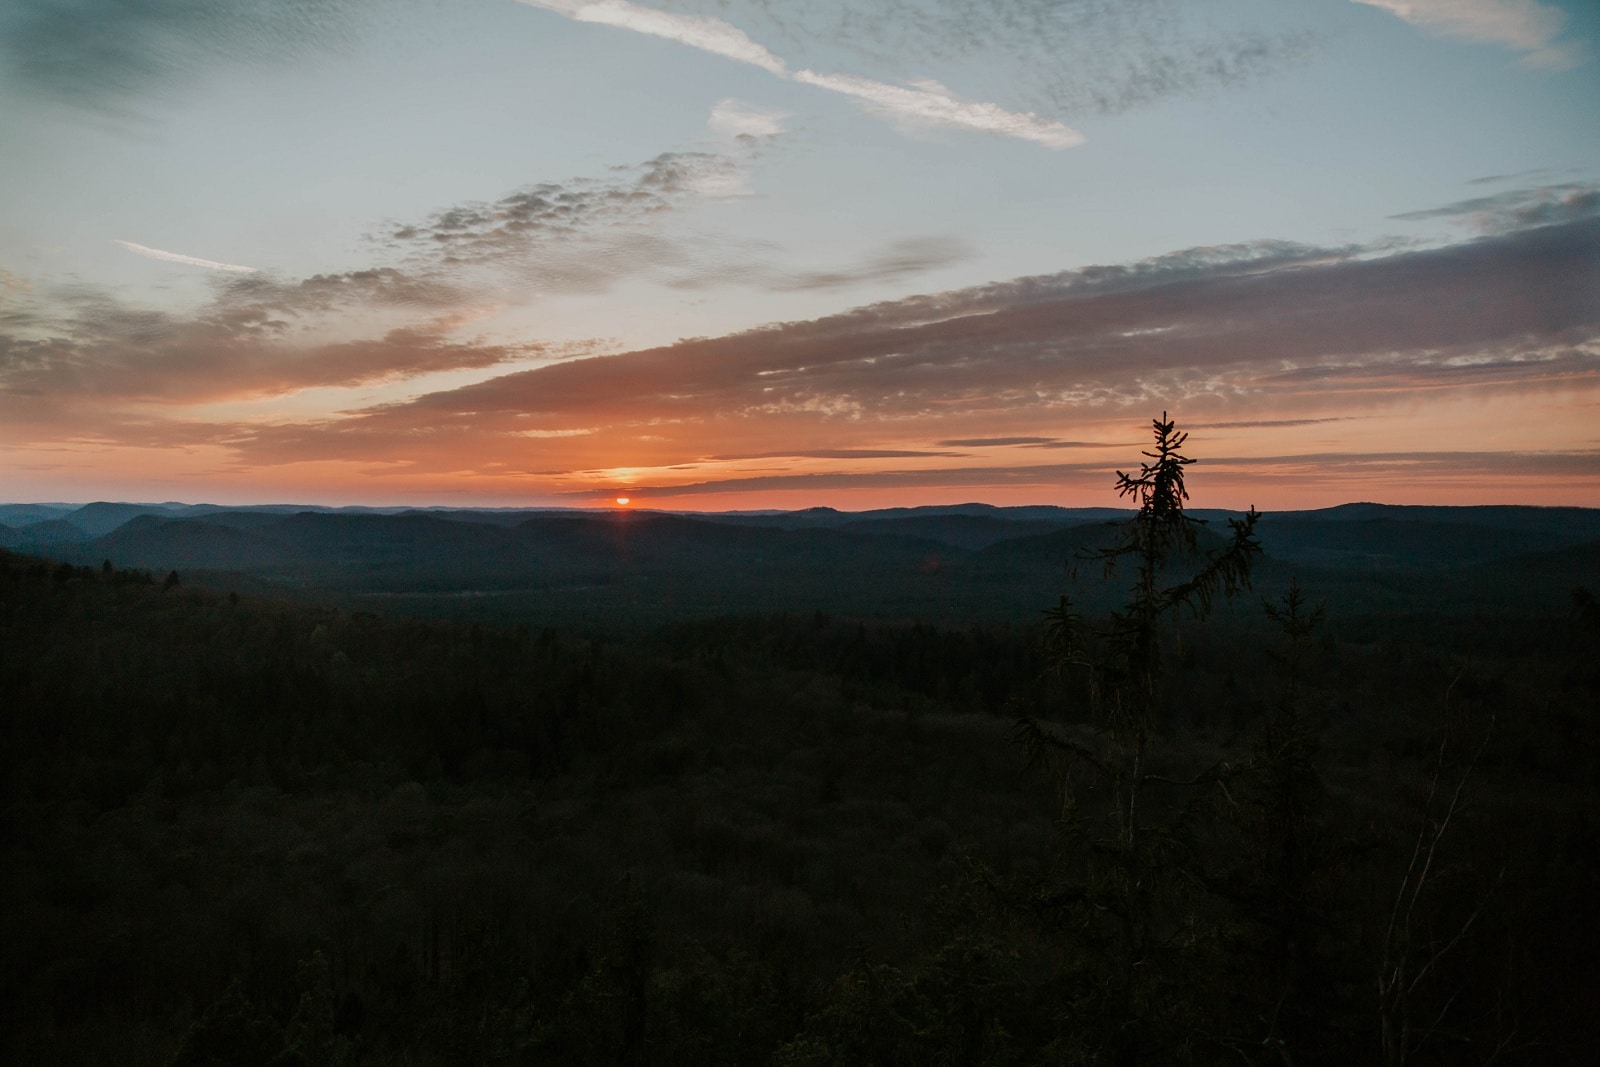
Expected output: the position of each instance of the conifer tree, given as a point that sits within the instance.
(1121, 873)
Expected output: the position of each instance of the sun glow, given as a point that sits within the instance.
(622, 501)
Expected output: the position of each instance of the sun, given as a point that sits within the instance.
(623, 501)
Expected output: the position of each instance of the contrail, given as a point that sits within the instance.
(926, 103)
(178, 257)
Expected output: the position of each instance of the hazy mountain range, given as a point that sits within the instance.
(951, 563)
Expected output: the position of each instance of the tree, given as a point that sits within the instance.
(1121, 659)
(1121, 875)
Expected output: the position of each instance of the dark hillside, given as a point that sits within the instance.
(102, 517)
(957, 531)
(23, 514)
(616, 571)
(165, 544)
(50, 531)
(244, 828)
(1389, 543)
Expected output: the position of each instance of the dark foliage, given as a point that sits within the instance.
(241, 830)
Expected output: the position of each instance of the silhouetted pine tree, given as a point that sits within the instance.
(1126, 889)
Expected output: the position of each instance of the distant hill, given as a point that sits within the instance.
(1410, 542)
(51, 531)
(947, 562)
(957, 530)
(102, 517)
(23, 514)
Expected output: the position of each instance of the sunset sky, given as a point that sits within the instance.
(728, 254)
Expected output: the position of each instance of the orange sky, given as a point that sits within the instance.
(1464, 373)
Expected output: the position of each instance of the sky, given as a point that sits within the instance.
(742, 254)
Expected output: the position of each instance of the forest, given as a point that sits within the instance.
(1148, 785)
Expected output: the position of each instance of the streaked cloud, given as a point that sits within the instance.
(707, 34)
(996, 442)
(178, 257)
(1292, 330)
(586, 234)
(109, 354)
(1517, 209)
(919, 105)
(898, 260)
(1526, 26)
(535, 216)
(83, 351)
(840, 453)
(1085, 57)
(1374, 470)
(1259, 424)
(926, 104)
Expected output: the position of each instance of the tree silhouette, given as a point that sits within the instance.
(1121, 876)
(1121, 659)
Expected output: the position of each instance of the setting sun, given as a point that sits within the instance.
(622, 500)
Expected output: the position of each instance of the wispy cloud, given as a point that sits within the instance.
(1378, 470)
(841, 453)
(509, 229)
(82, 353)
(1517, 209)
(585, 234)
(898, 260)
(1527, 26)
(178, 257)
(107, 354)
(1260, 424)
(996, 442)
(1266, 337)
(1063, 58)
(707, 34)
(736, 119)
(928, 104)
(1214, 330)
(921, 104)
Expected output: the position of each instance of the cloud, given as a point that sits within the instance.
(994, 442)
(1262, 335)
(578, 235)
(1527, 26)
(1085, 57)
(475, 230)
(1517, 209)
(103, 55)
(707, 34)
(109, 354)
(928, 104)
(260, 334)
(1051, 476)
(1212, 329)
(920, 105)
(1366, 468)
(81, 351)
(898, 260)
(1024, 442)
(840, 453)
(177, 257)
(585, 234)
(1259, 424)
(735, 118)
